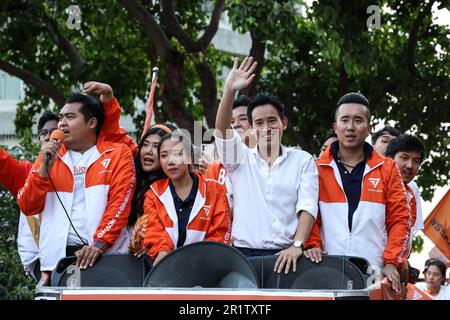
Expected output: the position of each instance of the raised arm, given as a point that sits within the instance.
(13, 173)
(238, 79)
(111, 129)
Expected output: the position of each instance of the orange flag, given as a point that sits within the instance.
(415, 293)
(148, 117)
(437, 225)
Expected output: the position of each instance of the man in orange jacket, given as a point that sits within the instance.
(13, 173)
(94, 179)
(363, 208)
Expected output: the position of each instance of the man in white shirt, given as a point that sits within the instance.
(275, 188)
(419, 217)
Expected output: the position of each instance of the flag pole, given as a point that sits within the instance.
(148, 117)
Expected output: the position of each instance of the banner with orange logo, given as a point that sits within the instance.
(437, 225)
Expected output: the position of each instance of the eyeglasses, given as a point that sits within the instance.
(45, 132)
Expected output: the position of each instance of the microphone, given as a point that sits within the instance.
(56, 135)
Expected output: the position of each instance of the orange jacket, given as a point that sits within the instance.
(109, 186)
(381, 223)
(13, 173)
(111, 129)
(216, 171)
(210, 218)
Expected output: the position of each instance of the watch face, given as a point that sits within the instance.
(297, 244)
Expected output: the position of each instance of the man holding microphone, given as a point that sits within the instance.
(82, 186)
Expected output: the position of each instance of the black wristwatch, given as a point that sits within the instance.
(100, 245)
(298, 244)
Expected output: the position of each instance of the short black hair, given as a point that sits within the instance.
(46, 116)
(388, 129)
(262, 99)
(439, 264)
(353, 97)
(405, 143)
(90, 108)
(241, 101)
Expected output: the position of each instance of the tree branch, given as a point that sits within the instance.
(173, 25)
(257, 51)
(412, 41)
(149, 24)
(35, 81)
(208, 91)
(213, 26)
(64, 44)
(343, 79)
(388, 87)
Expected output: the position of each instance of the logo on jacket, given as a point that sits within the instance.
(374, 181)
(206, 208)
(105, 163)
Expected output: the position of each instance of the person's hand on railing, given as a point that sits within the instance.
(314, 254)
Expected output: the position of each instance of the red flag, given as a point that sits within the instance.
(437, 225)
(148, 117)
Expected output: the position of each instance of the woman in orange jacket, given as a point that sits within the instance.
(148, 170)
(184, 207)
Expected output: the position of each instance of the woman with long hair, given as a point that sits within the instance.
(184, 207)
(148, 170)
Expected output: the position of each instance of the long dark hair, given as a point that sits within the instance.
(145, 179)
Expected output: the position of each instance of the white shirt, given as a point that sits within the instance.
(26, 245)
(419, 217)
(78, 211)
(267, 200)
(444, 292)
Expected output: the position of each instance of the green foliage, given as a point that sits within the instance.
(313, 56)
(261, 16)
(113, 50)
(15, 284)
(417, 244)
(331, 52)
